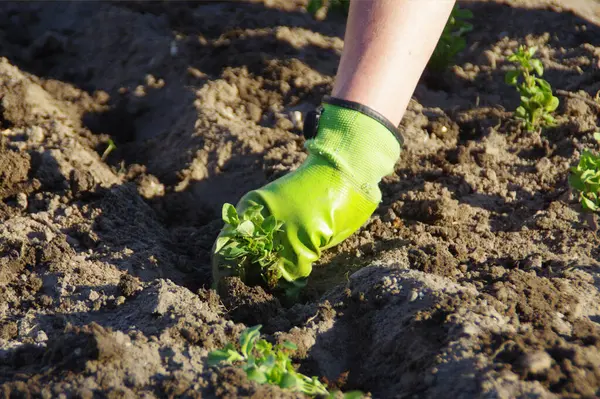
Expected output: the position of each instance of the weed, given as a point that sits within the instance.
(248, 239)
(537, 101)
(266, 363)
(585, 178)
(452, 40)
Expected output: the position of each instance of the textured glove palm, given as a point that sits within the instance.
(331, 195)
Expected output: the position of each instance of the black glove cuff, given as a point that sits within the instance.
(311, 121)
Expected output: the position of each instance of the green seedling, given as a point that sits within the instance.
(452, 40)
(342, 6)
(537, 101)
(266, 363)
(111, 147)
(585, 178)
(249, 241)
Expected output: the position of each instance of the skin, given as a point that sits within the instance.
(387, 45)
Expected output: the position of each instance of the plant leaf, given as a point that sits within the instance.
(248, 339)
(511, 77)
(246, 228)
(290, 345)
(230, 215)
(597, 136)
(257, 375)
(538, 67)
(269, 224)
(353, 395)
(227, 354)
(221, 242)
(290, 381)
(588, 204)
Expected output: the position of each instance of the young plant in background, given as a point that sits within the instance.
(266, 363)
(537, 101)
(342, 6)
(585, 178)
(248, 240)
(452, 40)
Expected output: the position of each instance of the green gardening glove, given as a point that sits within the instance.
(330, 196)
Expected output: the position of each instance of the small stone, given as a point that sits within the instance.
(534, 261)
(390, 215)
(536, 362)
(46, 300)
(22, 201)
(36, 134)
(413, 296)
(120, 300)
(41, 337)
(93, 295)
(490, 174)
(543, 165)
(284, 124)
(128, 285)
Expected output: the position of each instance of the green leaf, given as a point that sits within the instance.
(221, 242)
(531, 51)
(257, 375)
(233, 251)
(248, 339)
(290, 345)
(520, 112)
(230, 215)
(314, 6)
(290, 381)
(552, 104)
(588, 204)
(538, 67)
(576, 183)
(353, 395)
(227, 354)
(269, 224)
(246, 228)
(597, 136)
(511, 77)
(253, 213)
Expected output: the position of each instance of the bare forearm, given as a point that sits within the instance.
(386, 47)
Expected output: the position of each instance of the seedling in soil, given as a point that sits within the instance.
(109, 149)
(266, 363)
(537, 101)
(332, 5)
(452, 40)
(248, 240)
(585, 178)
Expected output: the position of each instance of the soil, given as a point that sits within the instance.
(477, 276)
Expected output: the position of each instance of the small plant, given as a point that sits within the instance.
(248, 240)
(332, 5)
(109, 149)
(585, 178)
(537, 101)
(452, 40)
(266, 363)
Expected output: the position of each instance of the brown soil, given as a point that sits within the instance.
(477, 276)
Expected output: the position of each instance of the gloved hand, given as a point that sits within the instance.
(333, 193)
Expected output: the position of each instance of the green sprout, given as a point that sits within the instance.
(334, 5)
(248, 240)
(452, 40)
(585, 178)
(266, 363)
(537, 101)
(111, 146)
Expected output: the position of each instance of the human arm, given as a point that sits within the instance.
(354, 143)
